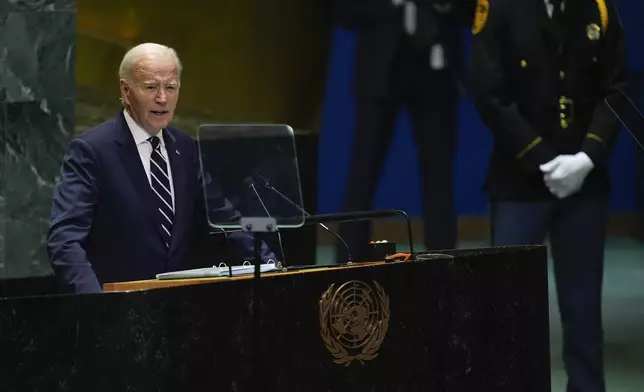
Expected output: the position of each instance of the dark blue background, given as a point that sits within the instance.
(399, 187)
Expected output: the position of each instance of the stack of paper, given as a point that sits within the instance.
(217, 271)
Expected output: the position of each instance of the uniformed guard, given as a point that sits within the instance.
(409, 55)
(540, 72)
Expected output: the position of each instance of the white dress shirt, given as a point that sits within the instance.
(145, 149)
(550, 7)
(436, 55)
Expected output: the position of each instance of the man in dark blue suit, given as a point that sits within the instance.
(130, 199)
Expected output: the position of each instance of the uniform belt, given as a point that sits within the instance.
(555, 104)
(569, 109)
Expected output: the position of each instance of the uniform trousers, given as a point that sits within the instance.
(576, 229)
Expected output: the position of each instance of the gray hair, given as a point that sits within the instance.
(141, 51)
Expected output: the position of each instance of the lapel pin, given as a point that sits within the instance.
(177, 152)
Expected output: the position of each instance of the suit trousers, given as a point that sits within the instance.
(577, 232)
(431, 97)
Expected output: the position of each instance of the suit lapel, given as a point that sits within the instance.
(177, 166)
(131, 161)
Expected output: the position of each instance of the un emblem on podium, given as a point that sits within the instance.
(354, 319)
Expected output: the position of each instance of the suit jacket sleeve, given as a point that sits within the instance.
(211, 204)
(73, 205)
(498, 109)
(604, 127)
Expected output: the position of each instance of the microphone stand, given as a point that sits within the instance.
(255, 226)
(303, 211)
(364, 215)
(279, 235)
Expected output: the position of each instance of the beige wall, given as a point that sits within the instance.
(244, 60)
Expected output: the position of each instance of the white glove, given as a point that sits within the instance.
(565, 174)
(546, 169)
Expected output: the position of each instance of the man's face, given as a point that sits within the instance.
(152, 92)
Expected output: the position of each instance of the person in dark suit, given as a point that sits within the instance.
(130, 201)
(541, 70)
(409, 54)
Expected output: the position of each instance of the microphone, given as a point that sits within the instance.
(251, 184)
(363, 215)
(302, 210)
(628, 114)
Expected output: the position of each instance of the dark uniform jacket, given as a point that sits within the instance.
(540, 89)
(380, 34)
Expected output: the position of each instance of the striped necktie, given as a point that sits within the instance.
(161, 185)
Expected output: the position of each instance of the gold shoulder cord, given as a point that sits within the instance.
(603, 14)
(480, 17)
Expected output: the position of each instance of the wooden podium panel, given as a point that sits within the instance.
(157, 283)
(476, 321)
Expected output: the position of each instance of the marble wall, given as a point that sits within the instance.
(37, 98)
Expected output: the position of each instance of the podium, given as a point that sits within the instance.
(475, 321)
